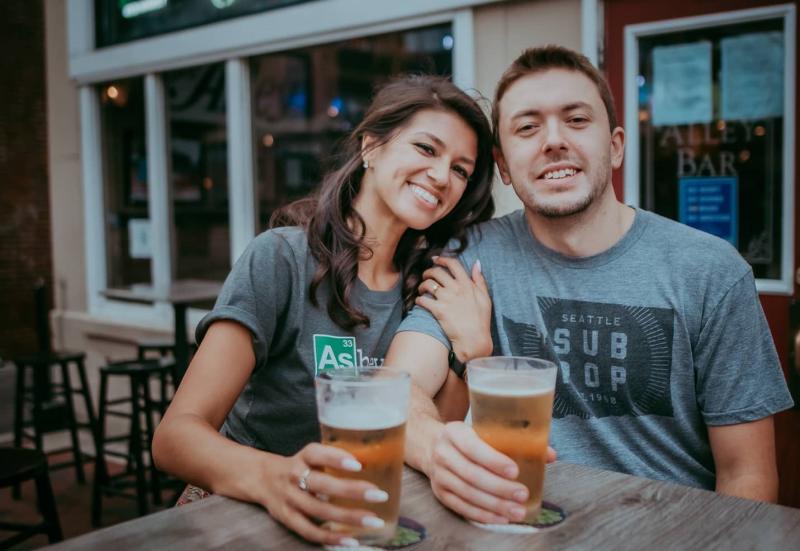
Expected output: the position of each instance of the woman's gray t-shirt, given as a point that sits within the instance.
(267, 291)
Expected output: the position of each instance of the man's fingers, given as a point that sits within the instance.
(467, 510)
(466, 440)
(452, 483)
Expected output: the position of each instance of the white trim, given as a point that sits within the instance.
(302, 25)
(80, 27)
(93, 196)
(787, 12)
(464, 50)
(241, 182)
(159, 187)
(589, 28)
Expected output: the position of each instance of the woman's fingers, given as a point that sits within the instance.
(314, 508)
(359, 490)
(296, 521)
(319, 455)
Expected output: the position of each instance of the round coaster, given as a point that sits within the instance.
(550, 515)
(409, 532)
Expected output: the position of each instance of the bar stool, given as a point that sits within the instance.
(19, 465)
(139, 374)
(47, 412)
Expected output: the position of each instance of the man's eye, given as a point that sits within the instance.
(425, 148)
(578, 120)
(527, 128)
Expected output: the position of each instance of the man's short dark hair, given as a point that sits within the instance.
(534, 60)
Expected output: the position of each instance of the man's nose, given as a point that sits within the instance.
(554, 137)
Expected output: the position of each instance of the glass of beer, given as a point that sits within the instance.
(511, 400)
(364, 412)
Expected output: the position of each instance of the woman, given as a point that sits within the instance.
(323, 294)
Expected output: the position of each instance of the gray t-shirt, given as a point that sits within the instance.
(656, 338)
(267, 292)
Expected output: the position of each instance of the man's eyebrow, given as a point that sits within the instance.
(576, 105)
(564, 108)
(435, 139)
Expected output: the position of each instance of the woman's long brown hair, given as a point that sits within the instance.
(336, 231)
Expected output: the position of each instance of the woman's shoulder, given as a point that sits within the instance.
(286, 239)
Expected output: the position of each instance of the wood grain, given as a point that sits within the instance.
(607, 510)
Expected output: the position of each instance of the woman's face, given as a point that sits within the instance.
(420, 174)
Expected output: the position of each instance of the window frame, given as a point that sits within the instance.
(232, 41)
(787, 12)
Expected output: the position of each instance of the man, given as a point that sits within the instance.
(667, 368)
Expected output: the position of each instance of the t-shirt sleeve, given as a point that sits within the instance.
(257, 292)
(420, 320)
(739, 378)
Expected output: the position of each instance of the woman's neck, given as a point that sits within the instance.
(378, 271)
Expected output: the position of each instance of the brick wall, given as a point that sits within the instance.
(25, 253)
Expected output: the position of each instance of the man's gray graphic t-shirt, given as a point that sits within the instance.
(655, 338)
(267, 292)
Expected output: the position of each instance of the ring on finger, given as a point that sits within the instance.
(302, 482)
(434, 288)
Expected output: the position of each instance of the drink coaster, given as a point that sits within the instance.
(409, 532)
(550, 515)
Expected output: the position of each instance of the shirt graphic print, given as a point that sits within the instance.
(333, 352)
(613, 359)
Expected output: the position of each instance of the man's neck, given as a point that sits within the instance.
(591, 232)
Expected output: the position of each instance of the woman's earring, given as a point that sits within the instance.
(366, 163)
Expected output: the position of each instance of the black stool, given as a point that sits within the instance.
(138, 373)
(48, 413)
(18, 465)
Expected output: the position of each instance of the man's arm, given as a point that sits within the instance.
(467, 475)
(744, 455)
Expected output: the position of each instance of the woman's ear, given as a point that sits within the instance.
(367, 149)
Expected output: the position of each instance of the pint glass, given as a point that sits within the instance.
(364, 412)
(511, 399)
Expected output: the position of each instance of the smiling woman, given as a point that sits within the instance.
(327, 293)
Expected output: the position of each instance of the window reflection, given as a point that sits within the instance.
(199, 171)
(306, 100)
(128, 249)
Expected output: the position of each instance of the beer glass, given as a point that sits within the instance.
(364, 411)
(511, 399)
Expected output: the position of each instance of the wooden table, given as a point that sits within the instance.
(606, 511)
(181, 294)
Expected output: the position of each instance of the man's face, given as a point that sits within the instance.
(556, 147)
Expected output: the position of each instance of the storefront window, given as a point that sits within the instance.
(711, 123)
(125, 182)
(306, 100)
(125, 20)
(199, 171)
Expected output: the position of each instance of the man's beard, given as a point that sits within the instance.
(558, 210)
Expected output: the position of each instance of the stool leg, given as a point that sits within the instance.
(47, 506)
(19, 412)
(72, 423)
(41, 378)
(87, 397)
(100, 472)
(155, 479)
(136, 446)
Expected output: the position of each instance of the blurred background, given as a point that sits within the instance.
(145, 142)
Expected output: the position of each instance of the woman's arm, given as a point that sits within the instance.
(188, 445)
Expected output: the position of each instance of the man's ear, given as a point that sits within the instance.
(617, 147)
(501, 165)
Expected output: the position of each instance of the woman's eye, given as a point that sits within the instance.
(461, 173)
(425, 148)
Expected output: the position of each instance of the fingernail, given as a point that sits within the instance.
(435, 257)
(510, 472)
(349, 542)
(373, 522)
(521, 495)
(351, 465)
(518, 513)
(478, 264)
(376, 496)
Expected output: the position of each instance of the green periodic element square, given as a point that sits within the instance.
(332, 352)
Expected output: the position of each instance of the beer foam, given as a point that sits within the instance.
(360, 417)
(511, 387)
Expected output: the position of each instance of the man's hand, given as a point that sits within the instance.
(475, 480)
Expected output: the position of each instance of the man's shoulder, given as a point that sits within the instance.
(497, 231)
(682, 244)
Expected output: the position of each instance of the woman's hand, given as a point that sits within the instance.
(461, 304)
(298, 491)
